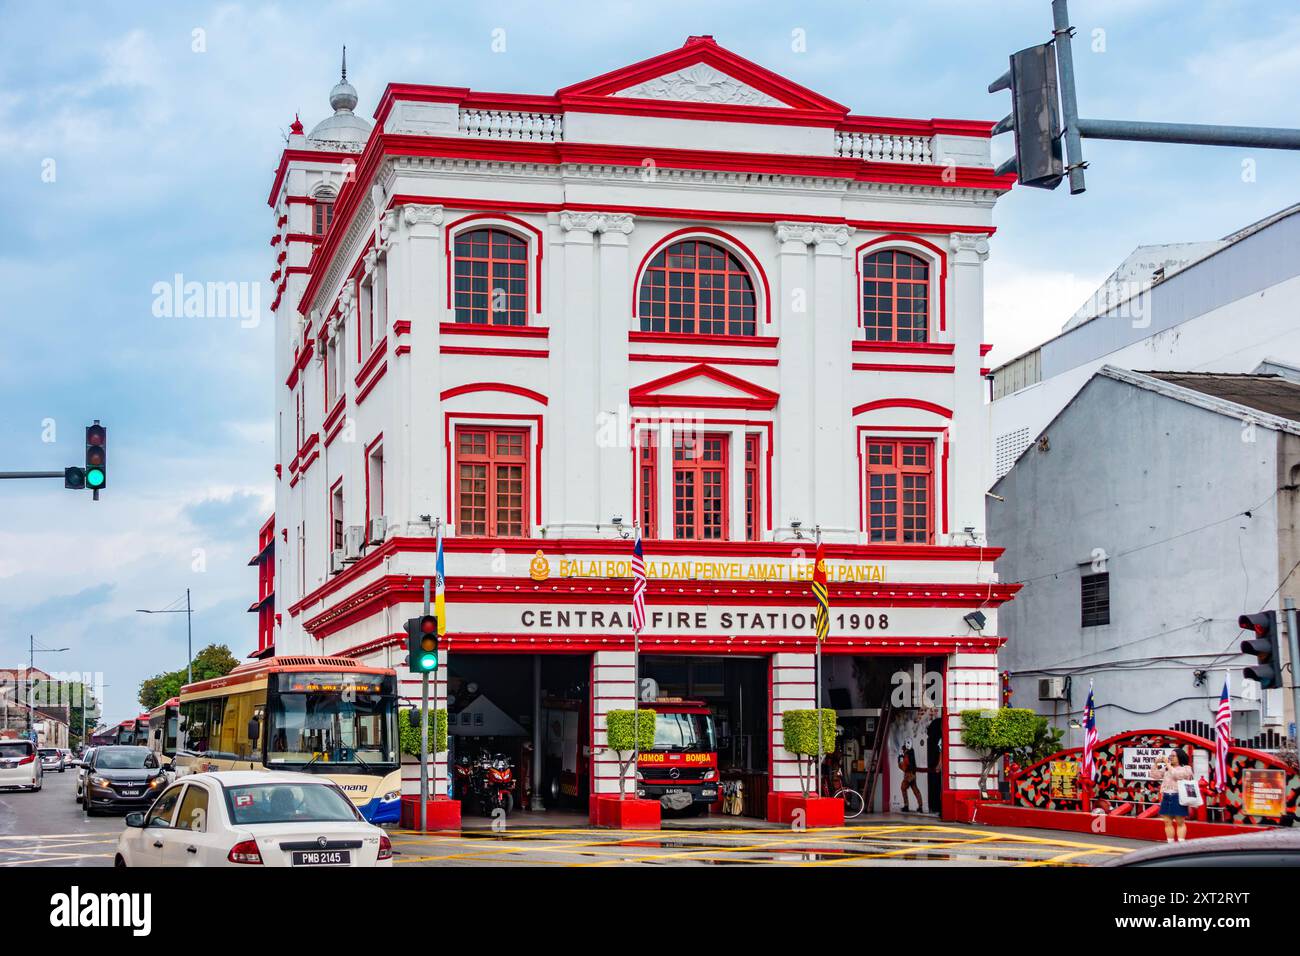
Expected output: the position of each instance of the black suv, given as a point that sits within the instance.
(126, 778)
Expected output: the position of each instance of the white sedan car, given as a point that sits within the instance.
(252, 818)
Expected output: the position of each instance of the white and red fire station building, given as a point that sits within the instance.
(688, 295)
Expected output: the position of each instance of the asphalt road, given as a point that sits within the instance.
(50, 829)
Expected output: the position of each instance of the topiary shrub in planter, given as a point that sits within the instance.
(995, 733)
(408, 728)
(799, 736)
(628, 731)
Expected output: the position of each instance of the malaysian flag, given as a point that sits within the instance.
(638, 586)
(1222, 738)
(1089, 738)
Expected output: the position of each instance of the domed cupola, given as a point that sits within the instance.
(345, 130)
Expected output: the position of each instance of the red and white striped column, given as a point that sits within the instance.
(410, 693)
(971, 684)
(612, 688)
(793, 683)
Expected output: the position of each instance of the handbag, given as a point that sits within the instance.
(1189, 794)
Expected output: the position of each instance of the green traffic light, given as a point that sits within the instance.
(428, 662)
(94, 478)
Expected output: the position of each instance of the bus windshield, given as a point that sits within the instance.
(684, 732)
(317, 730)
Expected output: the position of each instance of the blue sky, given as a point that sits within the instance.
(162, 159)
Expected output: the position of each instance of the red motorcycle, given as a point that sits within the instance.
(496, 784)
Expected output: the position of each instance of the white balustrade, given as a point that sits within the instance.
(509, 124)
(884, 147)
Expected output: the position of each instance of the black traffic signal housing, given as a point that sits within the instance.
(1265, 646)
(95, 474)
(422, 644)
(1035, 117)
(74, 478)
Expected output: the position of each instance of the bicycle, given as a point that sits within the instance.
(854, 802)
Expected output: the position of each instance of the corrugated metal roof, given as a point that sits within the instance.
(1271, 394)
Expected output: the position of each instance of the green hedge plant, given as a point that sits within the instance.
(799, 736)
(995, 733)
(626, 732)
(408, 726)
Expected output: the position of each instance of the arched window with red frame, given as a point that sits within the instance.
(697, 287)
(490, 276)
(895, 297)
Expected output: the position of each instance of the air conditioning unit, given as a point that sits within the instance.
(378, 527)
(353, 541)
(1052, 688)
(336, 562)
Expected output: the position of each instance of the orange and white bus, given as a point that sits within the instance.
(163, 723)
(327, 715)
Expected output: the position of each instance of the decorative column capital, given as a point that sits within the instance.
(813, 233)
(974, 246)
(415, 214)
(597, 223)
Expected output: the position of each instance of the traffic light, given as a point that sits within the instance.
(96, 471)
(422, 644)
(74, 478)
(1035, 117)
(1265, 646)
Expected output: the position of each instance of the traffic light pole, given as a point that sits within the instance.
(1293, 646)
(424, 734)
(31, 474)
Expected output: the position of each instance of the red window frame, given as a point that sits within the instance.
(491, 463)
(900, 490)
(700, 486)
(336, 519)
(374, 489)
(322, 216)
(697, 287)
(647, 476)
(752, 490)
(482, 258)
(895, 287)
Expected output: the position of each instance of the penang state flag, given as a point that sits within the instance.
(439, 598)
(1089, 738)
(823, 618)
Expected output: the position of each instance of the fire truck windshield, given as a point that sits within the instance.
(682, 732)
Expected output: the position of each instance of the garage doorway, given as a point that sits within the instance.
(500, 709)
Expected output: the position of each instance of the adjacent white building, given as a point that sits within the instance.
(1221, 306)
(688, 296)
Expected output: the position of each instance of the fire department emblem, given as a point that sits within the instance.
(539, 569)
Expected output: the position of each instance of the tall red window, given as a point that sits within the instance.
(492, 482)
(900, 491)
(336, 516)
(647, 465)
(697, 287)
(895, 297)
(751, 488)
(322, 216)
(491, 278)
(699, 486)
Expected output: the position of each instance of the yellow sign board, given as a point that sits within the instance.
(1263, 793)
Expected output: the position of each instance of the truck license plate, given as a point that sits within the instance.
(321, 857)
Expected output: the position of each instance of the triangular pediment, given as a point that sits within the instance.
(703, 73)
(702, 386)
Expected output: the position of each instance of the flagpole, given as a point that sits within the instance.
(636, 697)
(817, 676)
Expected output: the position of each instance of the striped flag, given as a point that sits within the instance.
(823, 618)
(1222, 738)
(1089, 738)
(439, 598)
(638, 586)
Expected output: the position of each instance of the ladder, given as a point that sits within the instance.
(878, 750)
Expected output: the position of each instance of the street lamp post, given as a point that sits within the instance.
(189, 632)
(31, 666)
